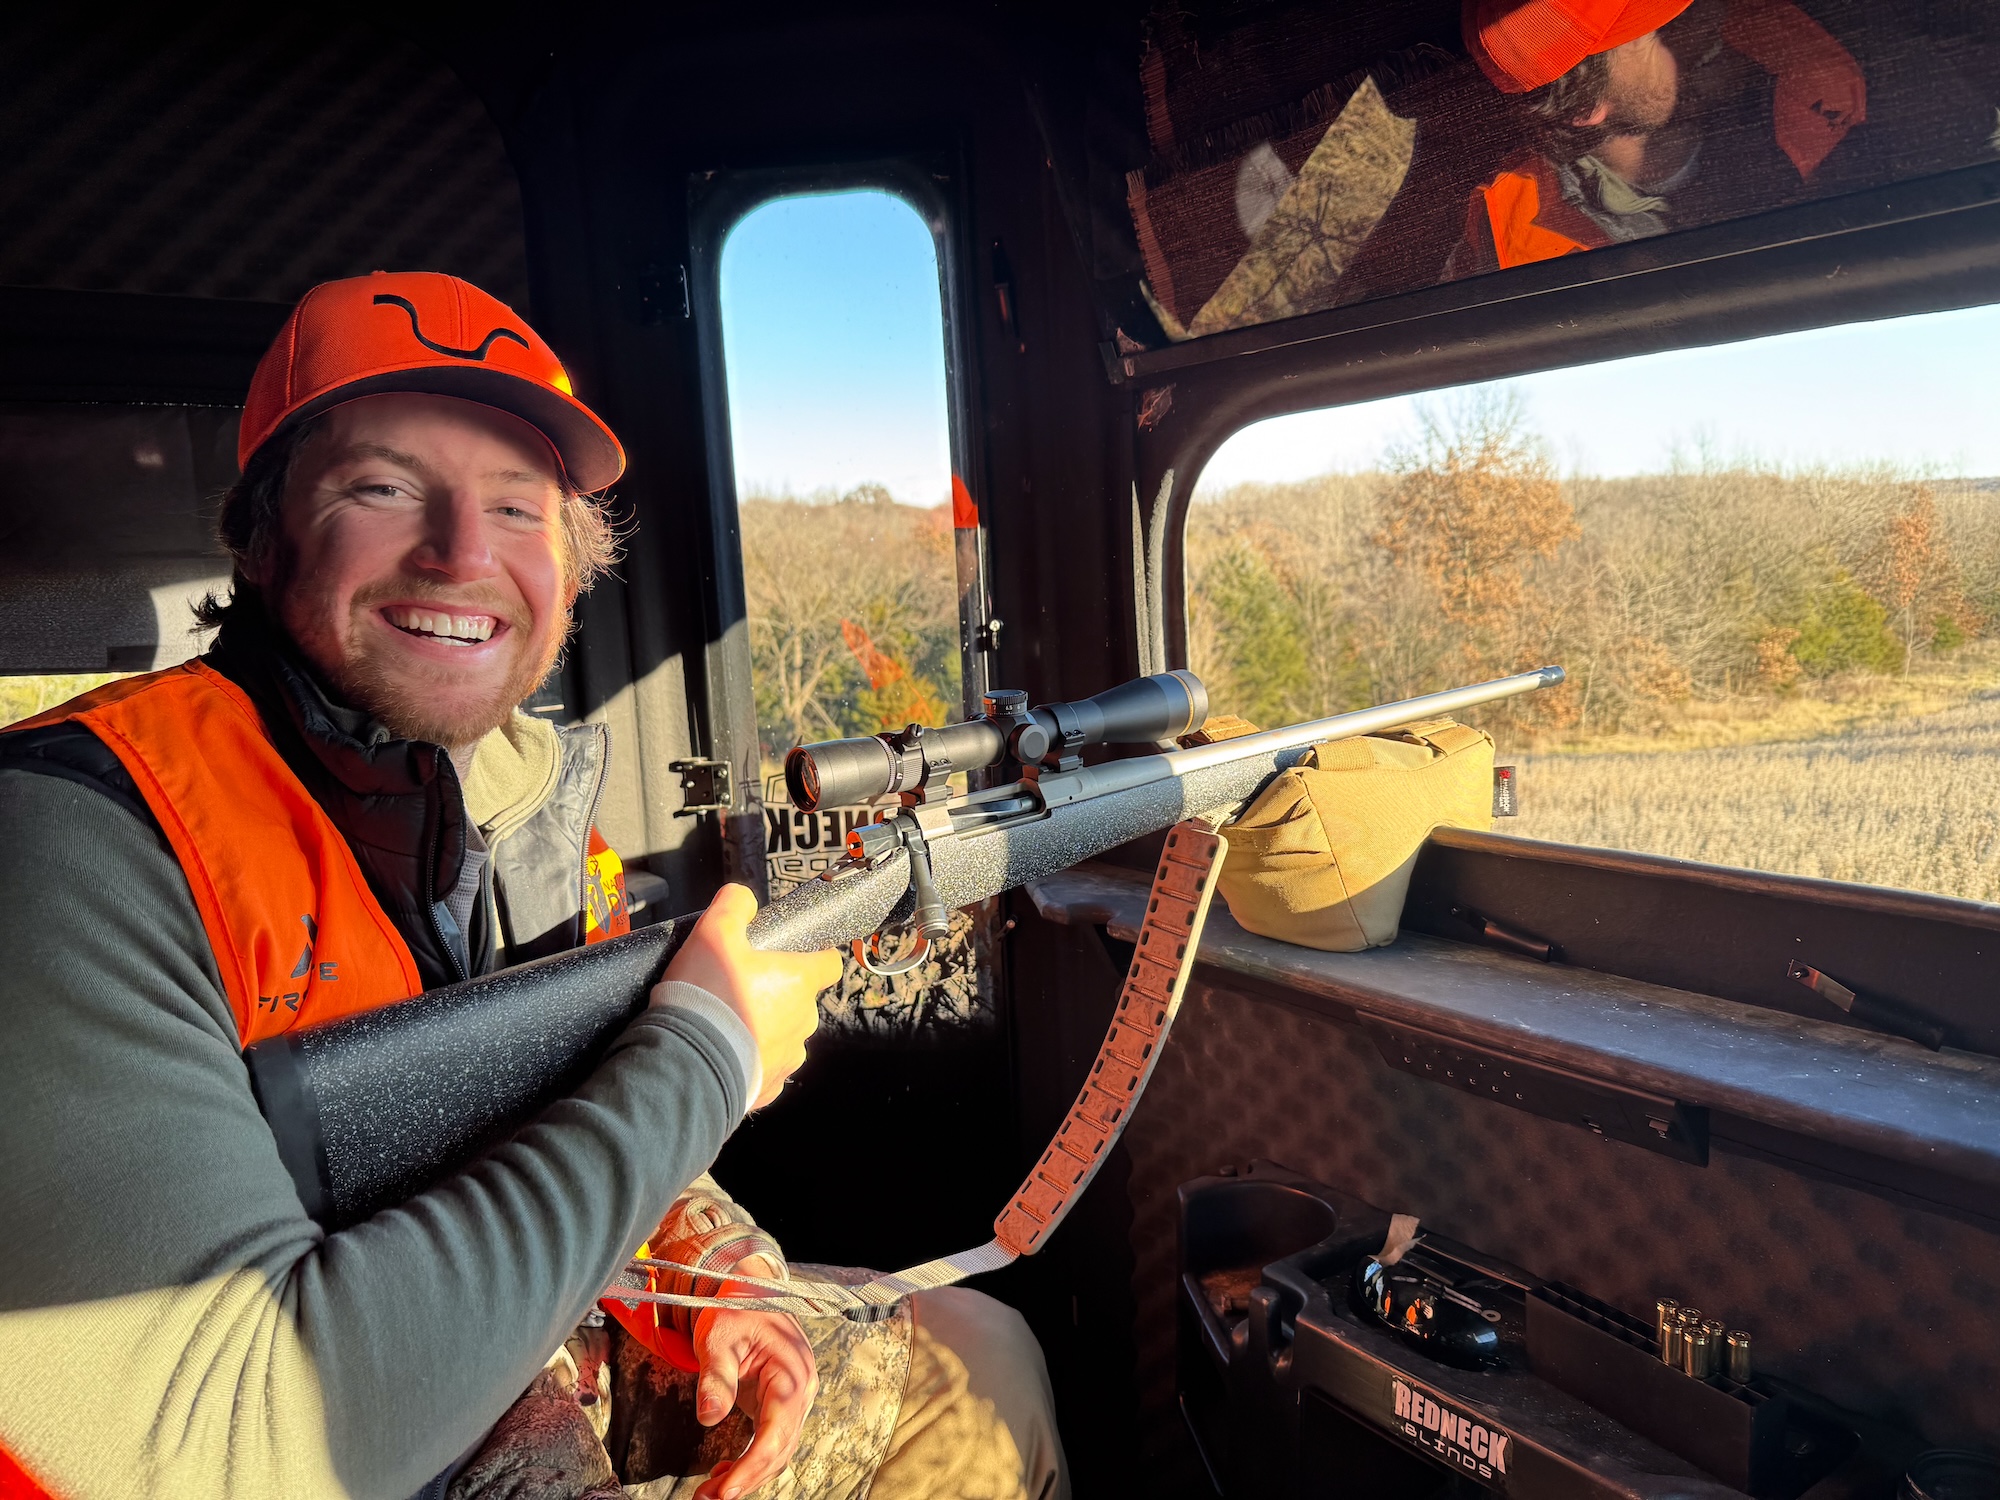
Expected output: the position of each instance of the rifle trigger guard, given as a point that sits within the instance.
(929, 922)
(868, 952)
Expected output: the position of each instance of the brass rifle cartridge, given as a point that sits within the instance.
(1699, 1360)
(1713, 1358)
(1675, 1352)
(1738, 1357)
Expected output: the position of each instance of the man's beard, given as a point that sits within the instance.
(398, 697)
(409, 712)
(414, 700)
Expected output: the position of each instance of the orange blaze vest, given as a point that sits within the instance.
(16, 1483)
(298, 937)
(1513, 209)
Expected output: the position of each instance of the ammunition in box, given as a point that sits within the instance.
(1686, 1322)
(1738, 1363)
(1700, 1361)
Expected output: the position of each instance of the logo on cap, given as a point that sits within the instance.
(478, 352)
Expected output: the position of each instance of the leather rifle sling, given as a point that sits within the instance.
(1162, 960)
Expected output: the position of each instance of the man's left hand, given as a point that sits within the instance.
(762, 1362)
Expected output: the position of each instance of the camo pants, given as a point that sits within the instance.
(948, 1397)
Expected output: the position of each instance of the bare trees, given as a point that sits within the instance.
(1272, 573)
(1472, 505)
(1306, 599)
(852, 614)
(1467, 556)
(1473, 508)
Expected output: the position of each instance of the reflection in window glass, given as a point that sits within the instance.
(833, 336)
(1772, 570)
(1300, 159)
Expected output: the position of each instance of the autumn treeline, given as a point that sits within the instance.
(853, 613)
(1466, 556)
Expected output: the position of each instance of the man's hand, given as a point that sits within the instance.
(776, 994)
(762, 1362)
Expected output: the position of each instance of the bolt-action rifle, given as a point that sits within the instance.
(371, 1109)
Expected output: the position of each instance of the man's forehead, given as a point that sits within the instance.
(425, 432)
(338, 454)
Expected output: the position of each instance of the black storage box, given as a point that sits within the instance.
(1292, 1390)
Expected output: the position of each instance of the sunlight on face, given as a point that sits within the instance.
(420, 564)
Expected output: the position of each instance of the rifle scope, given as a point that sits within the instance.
(833, 773)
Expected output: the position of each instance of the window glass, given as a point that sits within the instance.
(24, 697)
(833, 335)
(1772, 570)
(1307, 155)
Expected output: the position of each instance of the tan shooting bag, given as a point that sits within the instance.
(1323, 856)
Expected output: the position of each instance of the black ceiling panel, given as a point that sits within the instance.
(244, 154)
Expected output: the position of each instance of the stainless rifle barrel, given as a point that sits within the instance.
(1361, 720)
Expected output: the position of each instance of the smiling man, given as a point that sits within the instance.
(338, 805)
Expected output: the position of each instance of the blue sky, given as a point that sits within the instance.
(835, 346)
(834, 339)
(1921, 392)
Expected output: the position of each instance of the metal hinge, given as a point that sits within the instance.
(704, 786)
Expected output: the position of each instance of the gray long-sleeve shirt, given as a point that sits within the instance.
(170, 1320)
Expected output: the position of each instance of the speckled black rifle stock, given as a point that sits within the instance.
(371, 1109)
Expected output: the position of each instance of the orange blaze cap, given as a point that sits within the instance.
(1521, 46)
(425, 332)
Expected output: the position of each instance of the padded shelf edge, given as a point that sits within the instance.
(1835, 1084)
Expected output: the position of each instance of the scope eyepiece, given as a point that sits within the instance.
(835, 773)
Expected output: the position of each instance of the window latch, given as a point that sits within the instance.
(705, 786)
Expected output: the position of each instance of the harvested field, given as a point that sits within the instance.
(1912, 801)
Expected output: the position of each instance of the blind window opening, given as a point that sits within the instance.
(1771, 569)
(834, 350)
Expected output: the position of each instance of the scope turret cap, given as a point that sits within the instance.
(424, 332)
(1521, 46)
